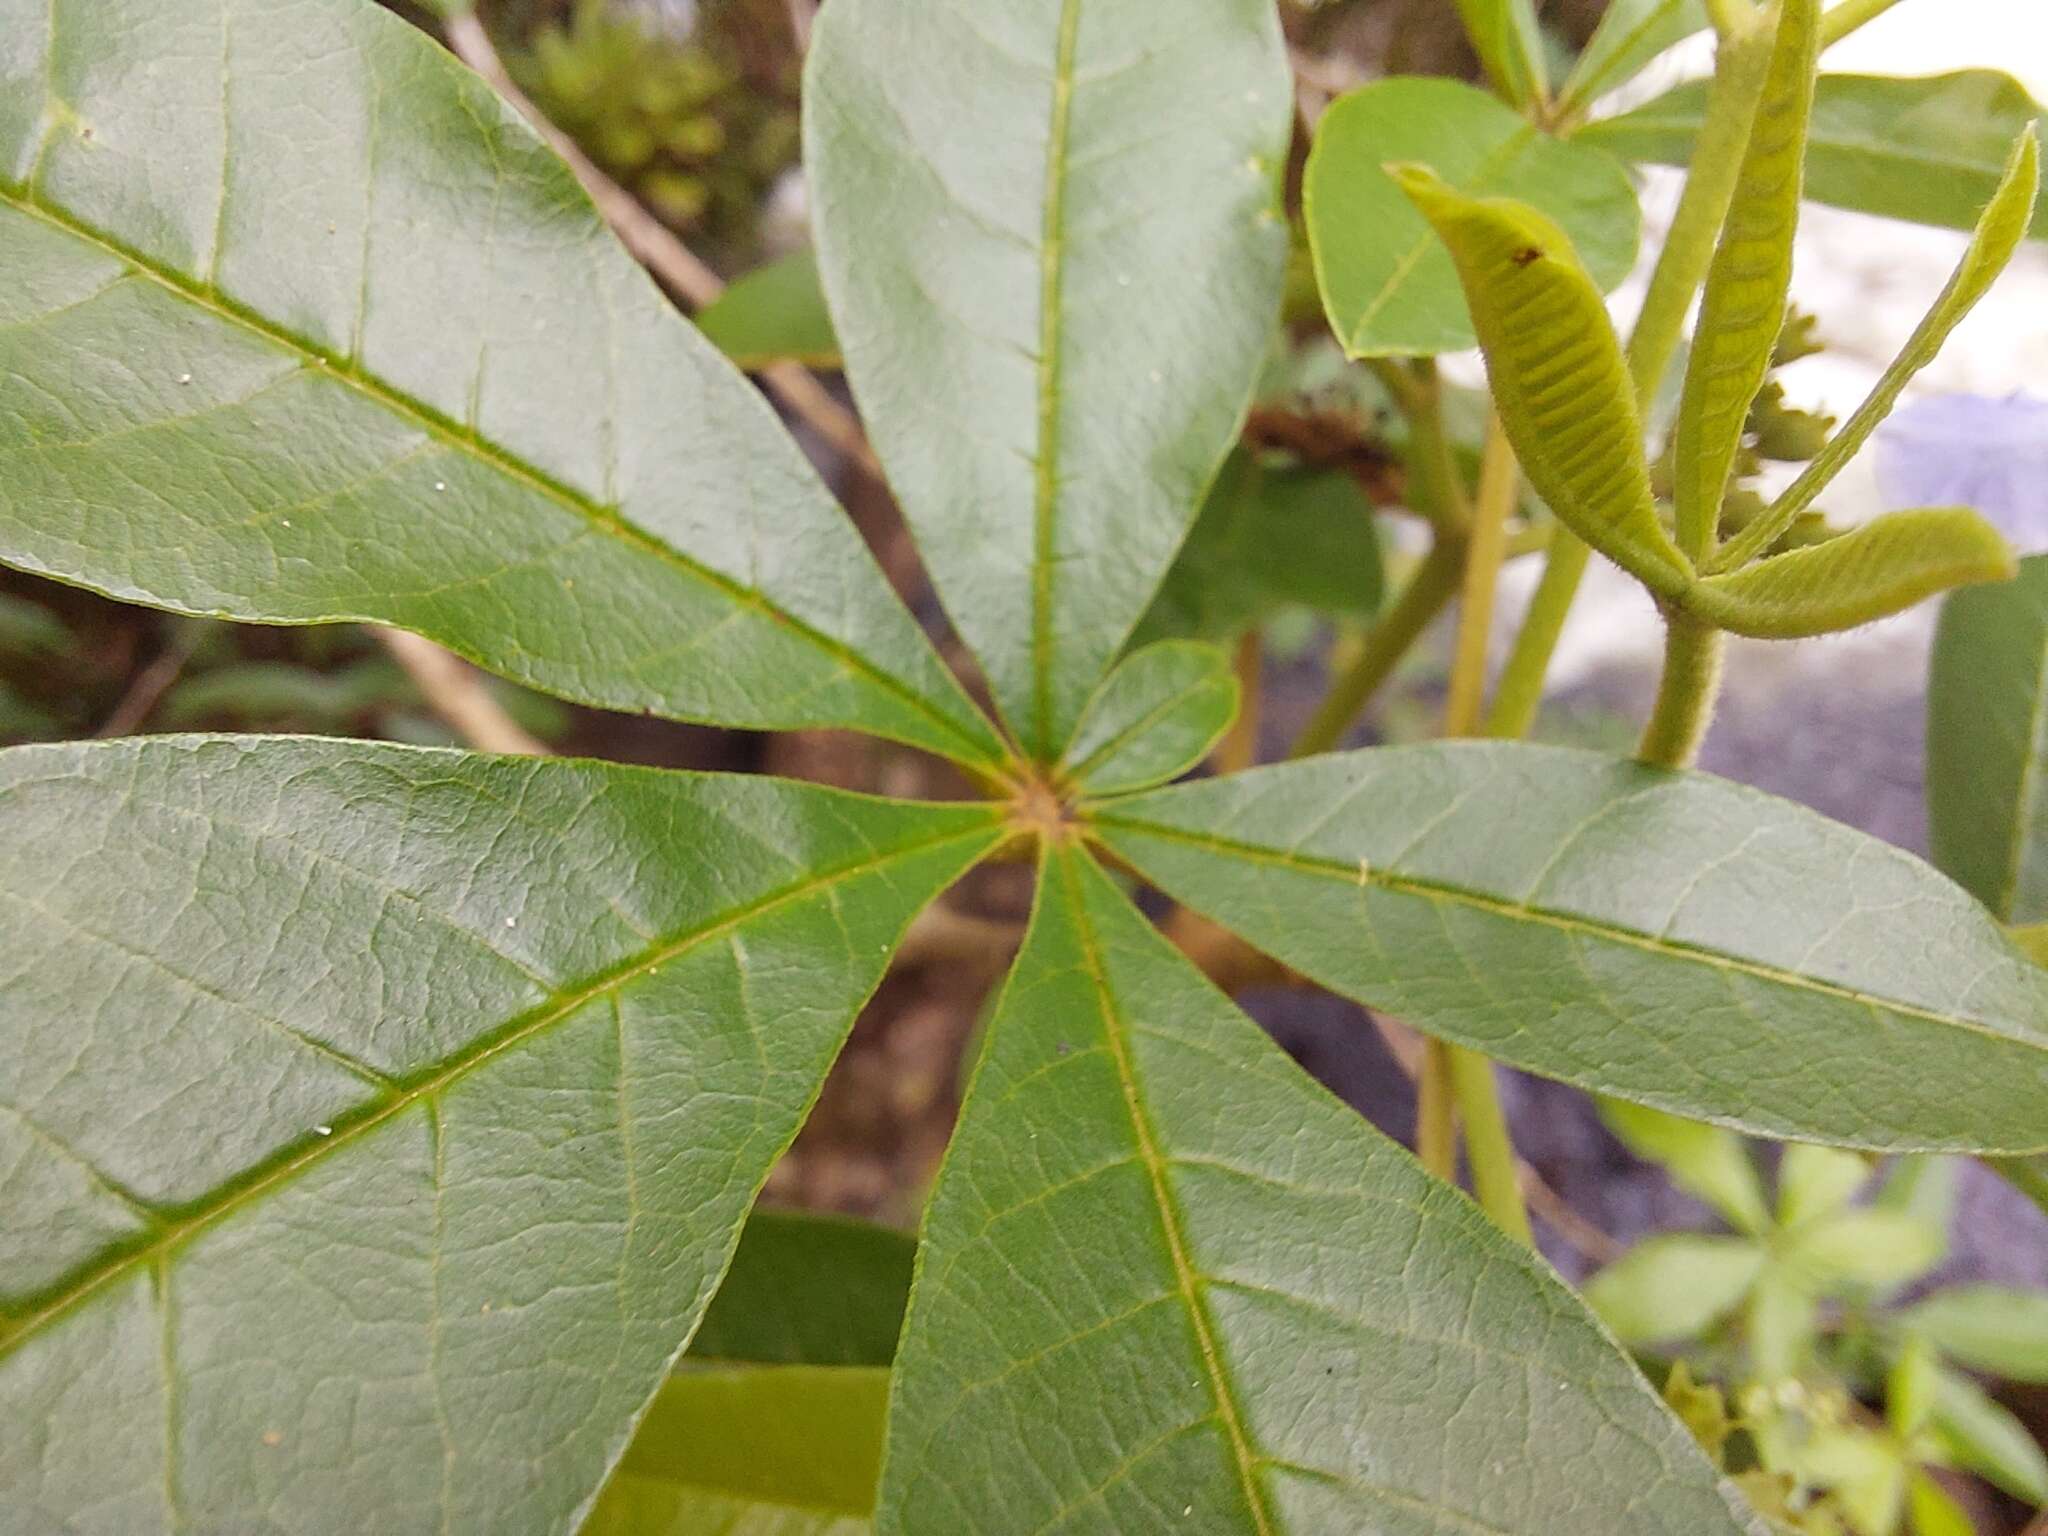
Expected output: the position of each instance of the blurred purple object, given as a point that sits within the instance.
(1970, 451)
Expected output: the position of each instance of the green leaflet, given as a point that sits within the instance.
(1885, 566)
(1053, 249)
(1276, 1321)
(1673, 1286)
(335, 1139)
(1984, 1436)
(1509, 43)
(1998, 234)
(774, 314)
(1156, 716)
(1742, 309)
(1668, 938)
(301, 323)
(1557, 371)
(1991, 1328)
(1630, 34)
(1705, 1161)
(1987, 744)
(1388, 285)
(1930, 148)
(788, 1450)
(1269, 538)
(804, 1289)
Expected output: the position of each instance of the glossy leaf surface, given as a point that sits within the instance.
(1171, 1285)
(1156, 716)
(1929, 149)
(1742, 308)
(358, 1179)
(1630, 34)
(1668, 938)
(1269, 537)
(300, 322)
(1987, 744)
(726, 1450)
(1388, 284)
(1052, 242)
(774, 314)
(1559, 379)
(1879, 569)
(806, 1289)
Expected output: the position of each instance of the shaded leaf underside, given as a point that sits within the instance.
(1169, 1285)
(300, 322)
(355, 1180)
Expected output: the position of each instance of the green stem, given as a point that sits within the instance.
(1419, 394)
(1495, 1178)
(1681, 268)
(1436, 1125)
(1427, 593)
(1845, 18)
(1499, 477)
(1685, 694)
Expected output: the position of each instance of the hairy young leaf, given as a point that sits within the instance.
(1742, 309)
(790, 1450)
(1885, 566)
(1927, 148)
(809, 1290)
(1269, 538)
(1559, 379)
(380, 1120)
(1630, 34)
(1998, 235)
(1668, 938)
(1388, 284)
(300, 322)
(1509, 43)
(1153, 718)
(1987, 744)
(775, 314)
(1050, 232)
(1168, 1284)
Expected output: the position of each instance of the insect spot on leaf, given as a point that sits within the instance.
(1527, 254)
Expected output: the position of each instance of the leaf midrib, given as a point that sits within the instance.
(1045, 463)
(1409, 885)
(348, 371)
(1186, 1276)
(519, 1031)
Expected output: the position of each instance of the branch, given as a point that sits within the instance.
(457, 692)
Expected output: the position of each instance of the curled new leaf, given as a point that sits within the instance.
(1153, 718)
(1557, 371)
(1878, 569)
(1998, 235)
(1743, 307)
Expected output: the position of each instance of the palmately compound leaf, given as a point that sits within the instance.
(1168, 1284)
(1668, 938)
(1742, 309)
(1052, 241)
(774, 314)
(1997, 236)
(1630, 34)
(1928, 148)
(1881, 568)
(299, 322)
(751, 1450)
(1559, 379)
(1987, 744)
(378, 1121)
(1388, 284)
(1153, 718)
